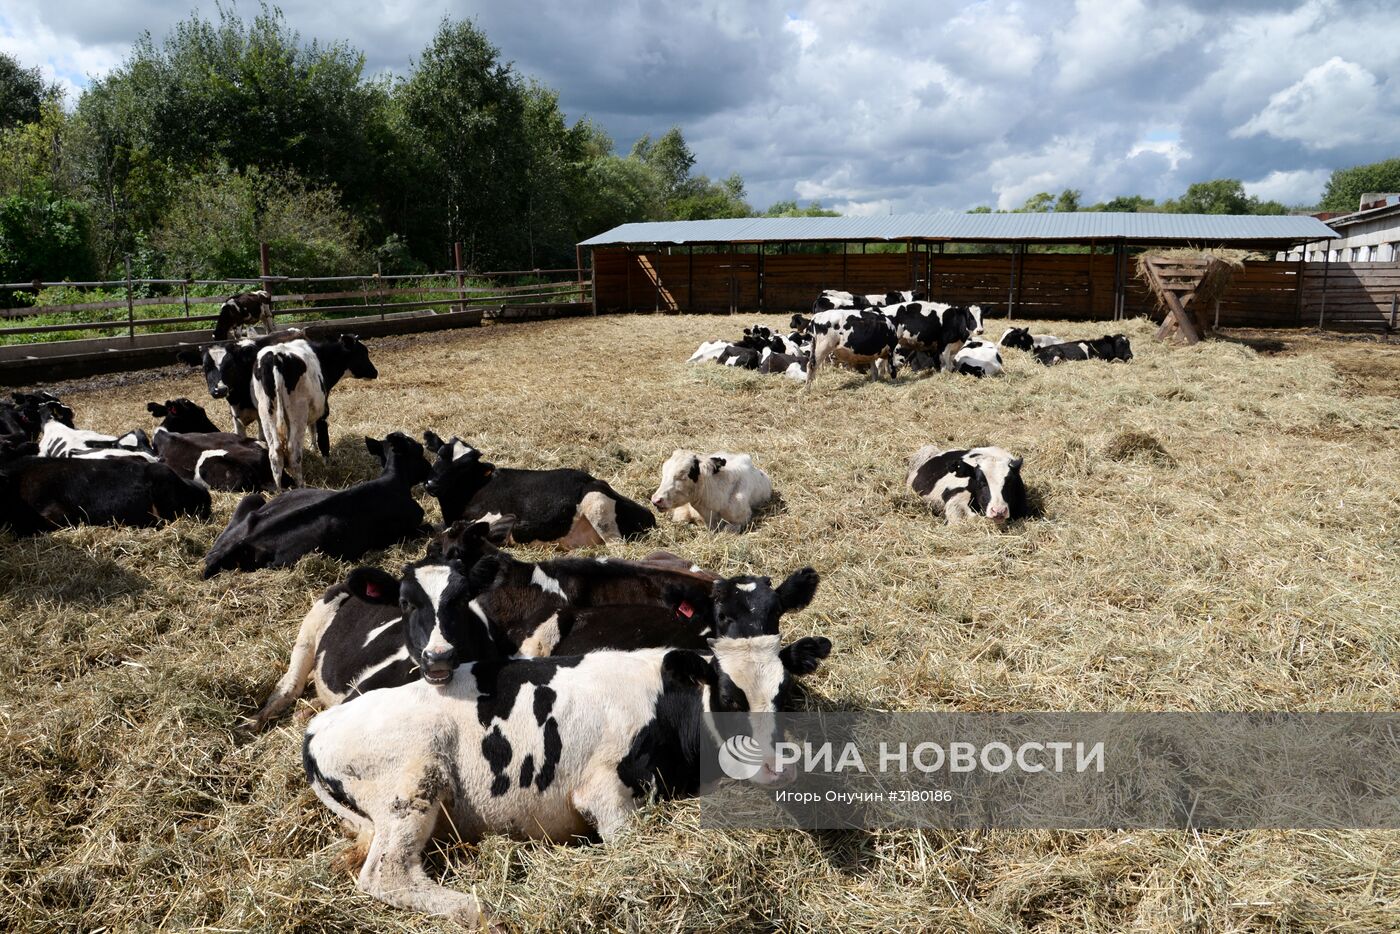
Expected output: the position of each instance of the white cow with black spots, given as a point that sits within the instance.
(719, 490)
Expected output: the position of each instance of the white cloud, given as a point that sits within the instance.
(1108, 38)
(1302, 186)
(1332, 105)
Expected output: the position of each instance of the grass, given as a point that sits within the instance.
(1220, 532)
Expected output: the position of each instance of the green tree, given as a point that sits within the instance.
(23, 93)
(1126, 204)
(671, 158)
(1346, 186)
(43, 235)
(1218, 196)
(1068, 201)
(791, 209)
(1037, 203)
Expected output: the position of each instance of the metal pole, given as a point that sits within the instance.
(1011, 289)
(130, 307)
(461, 279)
(265, 263)
(185, 296)
(1326, 268)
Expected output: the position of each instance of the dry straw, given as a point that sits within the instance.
(1220, 531)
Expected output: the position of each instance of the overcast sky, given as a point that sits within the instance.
(874, 107)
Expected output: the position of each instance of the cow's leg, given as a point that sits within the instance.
(296, 441)
(302, 660)
(687, 513)
(323, 436)
(239, 426)
(822, 346)
(605, 802)
(393, 870)
(958, 507)
(601, 512)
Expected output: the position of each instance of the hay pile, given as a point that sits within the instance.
(1206, 545)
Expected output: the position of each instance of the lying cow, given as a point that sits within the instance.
(708, 352)
(190, 443)
(241, 312)
(549, 748)
(963, 483)
(228, 372)
(978, 358)
(761, 338)
(1108, 347)
(1023, 339)
(720, 490)
(744, 358)
(564, 507)
(468, 601)
(834, 298)
(854, 338)
(58, 438)
(40, 494)
(341, 523)
(19, 417)
(292, 382)
(790, 365)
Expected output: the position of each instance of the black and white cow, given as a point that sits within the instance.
(860, 338)
(1108, 347)
(190, 443)
(963, 483)
(468, 601)
(341, 523)
(835, 298)
(241, 312)
(565, 507)
(793, 366)
(550, 748)
(1023, 339)
(292, 383)
(40, 494)
(20, 418)
(761, 338)
(228, 372)
(978, 358)
(60, 439)
(744, 358)
(935, 328)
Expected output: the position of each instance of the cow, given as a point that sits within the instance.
(978, 358)
(292, 382)
(228, 372)
(40, 494)
(344, 524)
(190, 443)
(19, 417)
(719, 490)
(965, 483)
(60, 439)
(708, 352)
(240, 312)
(373, 629)
(936, 328)
(564, 507)
(1109, 347)
(790, 365)
(744, 358)
(1023, 339)
(762, 338)
(865, 338)
(549, 748)
(834, 298)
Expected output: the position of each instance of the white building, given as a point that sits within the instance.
(1369, 235)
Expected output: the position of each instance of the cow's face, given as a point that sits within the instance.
(752, 670)
(443, 625)
(357, 358)
(976, 312)
(402, 455)
(1122, 350)
(993, 486)
(212, 360)
(468, 542)
(181, 415)
(681, 476)
(1018, 338)
(459, 468)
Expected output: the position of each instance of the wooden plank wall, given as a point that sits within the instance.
(1063, 286)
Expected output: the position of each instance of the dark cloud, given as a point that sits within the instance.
(906, 104)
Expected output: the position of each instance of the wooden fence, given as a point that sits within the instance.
(1072, 286)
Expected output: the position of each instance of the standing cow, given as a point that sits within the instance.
(241, 312)
(855, 338)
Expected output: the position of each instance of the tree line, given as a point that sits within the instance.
(228, 133)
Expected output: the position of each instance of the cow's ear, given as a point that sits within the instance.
(497, 531)
(682, 668)
(716, 463)
(799, 589)
(374, 586)
(432, 442)
(482, 575)
(375, 447)
(156, 409)
(1016, 462)
(803, 656)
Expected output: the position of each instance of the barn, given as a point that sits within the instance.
(1071, 266)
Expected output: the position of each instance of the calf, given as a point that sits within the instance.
(375, 630)
(854, 338)
(833, 298)
(188, 441)
(761, 338)
(292, 382)
(19, 418)
(567, 508)
(39, 494)
(720, 490)
(240, 312)
(961, 484)
(548, 747)
(938, 329)
(228, 372)
(1108, 347)
(977, 358)
(341, 523)
(57, 439)
(744, 358)
(1023, 339)
(790, 365)
(708, 351)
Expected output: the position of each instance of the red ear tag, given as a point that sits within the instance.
(686, 610)
(373, 591)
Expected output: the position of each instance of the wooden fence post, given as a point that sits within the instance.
(185, 296)
(130, 306)
(461, 279)
(1394, 307)
(265, 263)
(1326, 269)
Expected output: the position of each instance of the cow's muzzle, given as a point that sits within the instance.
(658, 503)
(439, 666)
(218, 392)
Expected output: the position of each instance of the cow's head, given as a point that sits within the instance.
(27, 411)
(181, 416)
(443, 624)
(211, 360)
(995, 485)
(681, 476)
(975, 312)
(749, 669)
(1017, 338)
(54, 412)
(401, 456)
(357, 360)
(459, 473)
(800, 323)
(468, 542)
(1120, 348)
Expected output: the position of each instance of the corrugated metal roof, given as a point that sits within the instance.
(996, 228)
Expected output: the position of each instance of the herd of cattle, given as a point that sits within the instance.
(541, 699)
(892, 330)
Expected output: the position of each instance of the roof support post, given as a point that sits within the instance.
(1015, 281)
(844, 276)
(1119, 283)
(1298, 280)
(690, 278)
(1089, 275)
(761, 253)
(1326, 268)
